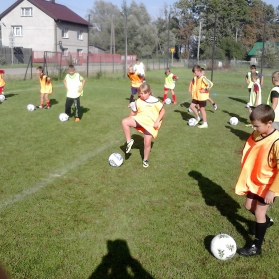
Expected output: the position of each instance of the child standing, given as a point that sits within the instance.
(258, 179)
(140, 68)
(209, 99)
(248, 79)
(2, 81)
(46, 88)
(273, 98)
(136, 81)
(74, 84)
(255, 94)
(200, 87)
(146, 117)
(170, 80)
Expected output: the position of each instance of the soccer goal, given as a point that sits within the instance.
(53, 64)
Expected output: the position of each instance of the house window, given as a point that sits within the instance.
(65, 51)
(17, 30)
(80, 52)
(26, 11)
(80, 35)
(65, 33)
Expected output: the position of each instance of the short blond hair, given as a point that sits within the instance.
(275, 76)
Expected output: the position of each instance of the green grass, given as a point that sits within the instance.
(65, 213)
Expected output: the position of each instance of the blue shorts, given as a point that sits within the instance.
(134, 90)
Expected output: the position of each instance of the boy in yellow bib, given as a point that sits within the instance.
(2, 82)
(258, 179)
(74, 84)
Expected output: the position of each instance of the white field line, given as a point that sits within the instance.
(44, 183)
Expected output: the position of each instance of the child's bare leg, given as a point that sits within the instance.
(194, 109)
(147, 146)
(127, 123)
(203, 112)
(210, 100)
(42, 99)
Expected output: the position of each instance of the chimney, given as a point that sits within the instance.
(52, 1)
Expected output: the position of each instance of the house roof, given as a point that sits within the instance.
(56, 11)
(257, 47)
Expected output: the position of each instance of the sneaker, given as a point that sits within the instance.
(174, 103)
(129, 145)
(40, 107)
(47, 107)
(215, 107)
(249, 125)
(204, 125)
(249, 251)
(77, 119)
(145, 163)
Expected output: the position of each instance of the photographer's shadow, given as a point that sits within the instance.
(119, 264)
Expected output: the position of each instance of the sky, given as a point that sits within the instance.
(155, 9)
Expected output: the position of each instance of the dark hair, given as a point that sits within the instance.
(40, 68)
(71, 66)
(196, 67)
(253, 67)
(263, 113)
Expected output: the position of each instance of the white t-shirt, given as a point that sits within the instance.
(139, 68)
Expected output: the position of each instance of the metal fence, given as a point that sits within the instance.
(16, 55)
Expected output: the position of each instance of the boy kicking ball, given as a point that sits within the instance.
(258, 179)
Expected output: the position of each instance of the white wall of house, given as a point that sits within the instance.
(40, 32)
(35, 31)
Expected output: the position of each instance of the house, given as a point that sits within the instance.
(255, 51)
(44, 26)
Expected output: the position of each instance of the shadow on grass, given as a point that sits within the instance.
(10, 95)
(185, 104)
(184, 115)
(242, 135)
(240, 119)
(138, 144)
(238, 100)
(214, 195)
(119, 264)
(53, 102)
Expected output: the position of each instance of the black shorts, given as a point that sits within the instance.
(253, 196)
(202, 104)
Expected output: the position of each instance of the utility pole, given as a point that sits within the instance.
(112, 37)
(213, 46)
(168, 50)
(262, 57)
(88, 31)
(124, 7)
(199, 43)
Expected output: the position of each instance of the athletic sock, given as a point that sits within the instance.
(131, 98)
(165, 96)
(48, 103)
(260, 233)
(174, 98)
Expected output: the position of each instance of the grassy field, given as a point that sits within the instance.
(65, 213)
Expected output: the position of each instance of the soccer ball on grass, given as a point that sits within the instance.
(192, 122)
(63, 117)
(31, 107)
(115, 159)
(234, 121)
(2, 98)
(168, 101)
(223, 247)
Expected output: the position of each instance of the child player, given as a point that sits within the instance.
(2, 82)
(169, 85)
(255, 94)
(74, 84)
(248, 79)
(273, 98)
(146, 117)
(258, 179)
(46, 88)
(136, 80)
(199, 87)
(209, 99)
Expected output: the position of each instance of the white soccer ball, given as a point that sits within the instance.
(31, 107)
(233, 121)
(63, 117)
(115, 159)
(168, 101)
(223, 247)
(192, 122)
(2, 98)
